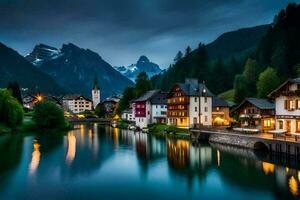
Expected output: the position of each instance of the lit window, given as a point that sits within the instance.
(267, 123)
(280, 123)
(298, 126)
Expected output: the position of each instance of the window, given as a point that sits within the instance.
(205, 99)
(156, 106)
(267, 123)
(196, 109)
(195, 99)
(205, 109)
(298, 104)
(181, 120)
(280, 124)
(218, 108)
(205, 118)
(161, 106)
(290, 105)
(298, 126)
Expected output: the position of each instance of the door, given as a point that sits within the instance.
(288, 126)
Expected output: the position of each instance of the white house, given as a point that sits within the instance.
(76, 103)
(128, 115)
(150, 108)
(189, 105)
(287, 106)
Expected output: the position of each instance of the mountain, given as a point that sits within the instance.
(142, 65)
(216, 63)
(14, 67)
(76, 69)
(42, 53)
(235, 43)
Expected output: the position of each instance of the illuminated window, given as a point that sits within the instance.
(267, 123)
(298, 126)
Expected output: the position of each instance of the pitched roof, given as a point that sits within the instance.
(191, 87)
(146, 96)
(295, 80)
(219, 102)
(74, 97)
(159, 98)
(263, 104)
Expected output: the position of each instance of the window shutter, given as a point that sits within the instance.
(285, 104)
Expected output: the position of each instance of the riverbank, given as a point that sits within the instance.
(164, 130)
(253, 141)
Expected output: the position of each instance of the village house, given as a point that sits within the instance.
(150, 108)
(127, 115)
(189, 105)
(110, 104)
(256, 114)
(220, 112)
(29, 100)
(287, 105)
(76, 103)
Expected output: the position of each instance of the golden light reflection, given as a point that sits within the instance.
(178, 153)
(299, 176)
(293, 185)
(268, 168)
(286, 169)
(116, 133)
(35, 160)
(218, 158)
(71, 148)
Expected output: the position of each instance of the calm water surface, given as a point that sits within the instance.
(95, 162)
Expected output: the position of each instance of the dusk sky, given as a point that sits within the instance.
(122, 30)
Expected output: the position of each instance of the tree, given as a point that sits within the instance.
(188, 50)
(11, 112)
(142, 84)
(178, 56)
(267, 82)
(46, 114)
(240, 88)
(15, 91)
(128, 95)
(100, 110)
(250, 73)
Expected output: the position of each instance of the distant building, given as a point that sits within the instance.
(76, 103)
(220, 112)
(29, 100)
(150, 108)
(190, 105)
(128, 115)
(254, 113)
(110, 104)
(287, 105)
(96, 94)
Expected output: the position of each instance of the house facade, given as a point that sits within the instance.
(150, 108)
(189, 105)
(287, 104)
(127, 115)
(255, 113)
(76, 103)
(220, 112)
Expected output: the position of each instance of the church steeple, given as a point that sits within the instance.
(95, 87)
(96, 93)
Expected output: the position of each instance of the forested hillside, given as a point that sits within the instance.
(275, 52)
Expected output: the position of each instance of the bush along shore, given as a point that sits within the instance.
(46, 115)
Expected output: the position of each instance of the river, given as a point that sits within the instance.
(101, 162)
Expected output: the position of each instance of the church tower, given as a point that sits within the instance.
(95, 94)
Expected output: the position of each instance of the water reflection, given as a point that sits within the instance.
(35, 160)
(71, 148)
(93, 155)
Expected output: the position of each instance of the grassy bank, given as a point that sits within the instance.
(28, 126)
(164, 130)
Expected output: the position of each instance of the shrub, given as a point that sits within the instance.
(47, 114)
(11, 112)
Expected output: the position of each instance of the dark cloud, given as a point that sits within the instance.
(122, 30)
